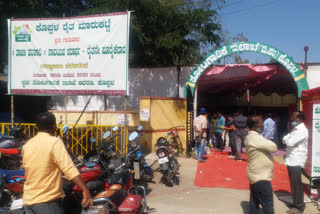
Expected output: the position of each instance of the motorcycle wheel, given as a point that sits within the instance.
(168, 178)
(175, 165)
(147, 175)
(176, 180)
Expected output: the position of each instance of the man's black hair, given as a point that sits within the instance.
(252, 122)
(301, 116)
(45, 121)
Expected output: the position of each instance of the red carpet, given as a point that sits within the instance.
(219, 171)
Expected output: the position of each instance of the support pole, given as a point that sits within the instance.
(195, 103)
(125, 125)
(83, 110)
(305, 66)
(12, 111)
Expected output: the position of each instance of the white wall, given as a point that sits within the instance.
(313, 76)
(159, 82)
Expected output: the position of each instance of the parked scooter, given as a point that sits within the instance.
(168, 163)
(136, 159)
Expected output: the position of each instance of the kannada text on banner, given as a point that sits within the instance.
(70, 56)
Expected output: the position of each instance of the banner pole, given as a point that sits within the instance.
(125, 125)
(12, 111)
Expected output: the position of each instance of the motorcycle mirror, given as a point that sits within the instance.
(133, 136)
(93, 140)
(65, 129)
(139, 128)
(116, 128)
(106, 135)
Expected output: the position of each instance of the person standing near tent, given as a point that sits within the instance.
(269, 127)
(297, 151)
(231, 131)
(260, 167)
(240, 123)
(200, 128)
(213, 129)
(220, 125)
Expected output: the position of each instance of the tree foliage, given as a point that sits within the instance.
(162, 32)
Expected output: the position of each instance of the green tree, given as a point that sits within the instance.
(167, 32)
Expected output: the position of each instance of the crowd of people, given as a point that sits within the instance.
(260, 136)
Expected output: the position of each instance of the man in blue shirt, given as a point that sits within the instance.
(269, 127)
(220, 130)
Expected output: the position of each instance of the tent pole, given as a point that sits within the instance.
(195, 103)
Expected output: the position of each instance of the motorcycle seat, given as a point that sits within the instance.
(8, 143)
(116, 196)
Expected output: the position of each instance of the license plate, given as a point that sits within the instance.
(163, 160)
(16, 204)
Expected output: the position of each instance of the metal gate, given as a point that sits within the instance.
(80, 135)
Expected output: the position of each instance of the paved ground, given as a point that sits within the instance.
(187, 198)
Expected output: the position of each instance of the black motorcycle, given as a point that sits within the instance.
(10, 149)
(168, 163)
(136, 159)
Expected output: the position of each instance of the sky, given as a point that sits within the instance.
(287, 25)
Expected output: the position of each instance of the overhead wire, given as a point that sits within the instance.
(249, 8)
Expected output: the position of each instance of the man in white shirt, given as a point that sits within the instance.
(200, 128)
(297, 152)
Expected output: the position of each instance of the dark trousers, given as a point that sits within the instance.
(51, 207)
(238, 140)
(261, 193)
(232, 145)
(220, 143)
(296, 187)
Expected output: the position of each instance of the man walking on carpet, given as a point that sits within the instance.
(297, 151)
(240, 123)
(260, 167)
(200, 128)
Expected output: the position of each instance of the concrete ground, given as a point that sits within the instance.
(187, 198)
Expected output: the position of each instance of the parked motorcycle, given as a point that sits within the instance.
(168, 163)
(136, 159)
(10, 149)
(122, 196)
